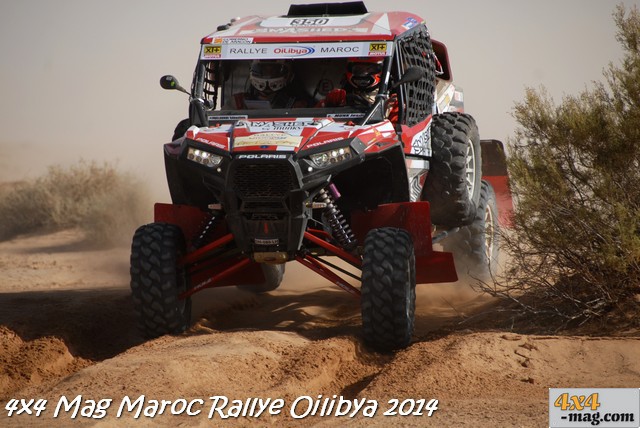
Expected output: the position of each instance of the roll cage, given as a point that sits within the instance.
(217, 80)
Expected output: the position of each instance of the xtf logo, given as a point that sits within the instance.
(377, 47)
(212, 50)
(309, 22)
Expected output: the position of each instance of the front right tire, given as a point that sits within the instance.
(475, 247)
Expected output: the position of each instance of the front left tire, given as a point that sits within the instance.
(388, 292)
(157, 281)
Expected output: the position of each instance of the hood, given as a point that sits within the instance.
(281, 135)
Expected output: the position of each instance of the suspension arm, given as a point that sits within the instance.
(312, 264)
(348, 257)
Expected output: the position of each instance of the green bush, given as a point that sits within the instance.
(105, 203)
(575, 175)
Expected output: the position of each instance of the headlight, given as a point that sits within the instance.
(330, 157)
(203, 158)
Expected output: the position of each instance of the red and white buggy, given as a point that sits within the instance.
(255, 188)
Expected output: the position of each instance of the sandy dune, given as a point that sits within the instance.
(67, 329)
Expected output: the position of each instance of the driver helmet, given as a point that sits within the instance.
(269, 76)
(364, 74)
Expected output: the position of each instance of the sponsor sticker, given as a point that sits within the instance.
(294, 51)
(268, 139)
(211, 51)
(228, 117)
(322, 143)
(263, 241)
(342, 48)
(410, 23)
(223, 129)
(246, 51)
(211, 143)
(289, 23)
(291, 127)
(262, 156)
(378, 49)
(305, 30)
(445, 99)
(346, 115)
(233, 40)
(309, 22)
(421, 142)
(312, 50)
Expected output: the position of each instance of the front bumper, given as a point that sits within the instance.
(266, 197)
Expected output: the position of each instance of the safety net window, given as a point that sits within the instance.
(416, 50)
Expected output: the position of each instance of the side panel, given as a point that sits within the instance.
(417, 139)
(417, 147)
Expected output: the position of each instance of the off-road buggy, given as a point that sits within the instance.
(255, 188)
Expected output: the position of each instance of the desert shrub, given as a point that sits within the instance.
(575, 174)
(105, 203)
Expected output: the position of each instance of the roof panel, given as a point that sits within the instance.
(369, 26)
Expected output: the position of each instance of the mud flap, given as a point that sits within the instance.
(190, 219)
(414, 217)
(494, 170)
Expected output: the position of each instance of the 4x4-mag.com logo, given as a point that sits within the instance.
(590, 407)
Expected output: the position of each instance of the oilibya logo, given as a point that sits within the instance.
(294, 50)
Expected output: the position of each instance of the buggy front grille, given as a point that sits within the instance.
(263, 181)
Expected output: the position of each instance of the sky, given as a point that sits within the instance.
(79, 78)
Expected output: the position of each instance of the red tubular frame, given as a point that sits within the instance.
(315, 266)
(431, 266)
(348, 257)
(225, 273)
(197, 254)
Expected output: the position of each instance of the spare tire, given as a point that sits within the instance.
(453, 183)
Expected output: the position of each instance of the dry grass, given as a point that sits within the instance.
(106, 204)
(574, 250)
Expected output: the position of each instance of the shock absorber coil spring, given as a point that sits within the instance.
(340, 229)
